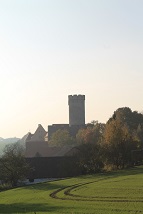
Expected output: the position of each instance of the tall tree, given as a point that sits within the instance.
(90, 152)
(118, 143)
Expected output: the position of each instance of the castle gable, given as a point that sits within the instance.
(39, 134)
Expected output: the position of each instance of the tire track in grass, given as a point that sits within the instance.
(69, 188)
(67, 192)
(99, 198)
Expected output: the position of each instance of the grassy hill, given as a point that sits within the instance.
(108, 193)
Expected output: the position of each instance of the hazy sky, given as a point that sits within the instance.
(50, 49)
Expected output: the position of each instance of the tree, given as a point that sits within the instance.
(126, 116)
(89, 158)
(123, 134)
(90, 152)
(139, 136)
(118, 143)
(92, 134)
(13, 166)
(61, 138)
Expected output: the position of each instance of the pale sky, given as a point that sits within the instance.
(50, 49)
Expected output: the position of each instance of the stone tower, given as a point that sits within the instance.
(76, 110)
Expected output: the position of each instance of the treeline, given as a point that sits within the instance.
(116, 144)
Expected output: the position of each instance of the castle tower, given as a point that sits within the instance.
(76, 110)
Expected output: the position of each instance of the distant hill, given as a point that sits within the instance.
(1, 139)
(4, 142)
(9, 140)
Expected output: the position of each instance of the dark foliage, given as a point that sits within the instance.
(13, 167)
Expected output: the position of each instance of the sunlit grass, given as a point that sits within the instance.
(119, 192)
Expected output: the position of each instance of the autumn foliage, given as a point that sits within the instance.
(111, 144)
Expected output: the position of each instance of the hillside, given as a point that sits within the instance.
(110, 193)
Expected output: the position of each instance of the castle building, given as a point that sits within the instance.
(37, 143)
(76, 116)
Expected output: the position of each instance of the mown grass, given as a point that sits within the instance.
(117, 192)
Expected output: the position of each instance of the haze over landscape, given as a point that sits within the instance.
(51, 48)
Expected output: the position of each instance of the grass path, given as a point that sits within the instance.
(119, 192)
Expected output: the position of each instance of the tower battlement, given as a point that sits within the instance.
(76, 98)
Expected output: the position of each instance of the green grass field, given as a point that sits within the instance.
(108, 193)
